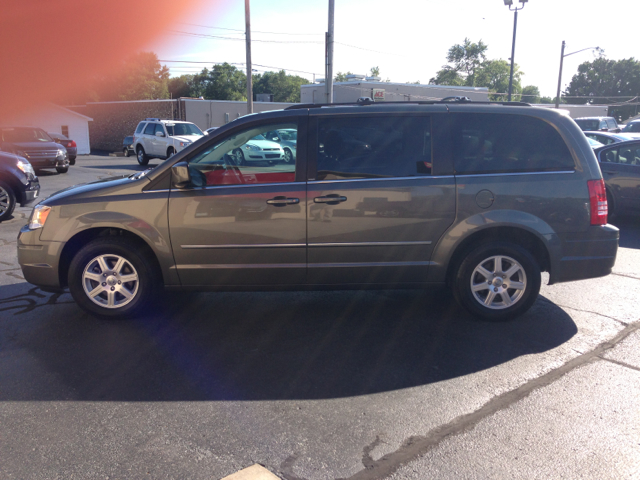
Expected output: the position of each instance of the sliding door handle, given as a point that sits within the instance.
(282, 201)
(332, 199)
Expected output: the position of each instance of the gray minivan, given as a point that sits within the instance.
(482, 197)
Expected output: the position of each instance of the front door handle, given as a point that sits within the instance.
(332, 199)
(282, 201)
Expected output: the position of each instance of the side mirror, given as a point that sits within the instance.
(180, 175)
(159, 134)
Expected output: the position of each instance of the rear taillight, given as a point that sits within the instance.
(598, 202)
(72, 144)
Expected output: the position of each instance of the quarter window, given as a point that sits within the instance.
(373, 147)
(489, 143)
(250, 157)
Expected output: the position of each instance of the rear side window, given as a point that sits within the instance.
(373, 147)
(624, 155)
(612, 123)
(140, 127)
(588, 124)
(489, 143)
(151, 129)
(159, 128)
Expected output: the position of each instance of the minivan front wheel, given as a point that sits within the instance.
(112, 277)
(498, 281)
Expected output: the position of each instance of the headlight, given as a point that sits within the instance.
(62, 153)
(26, 167)
(39, 216)
(185, 144)
(253, 148)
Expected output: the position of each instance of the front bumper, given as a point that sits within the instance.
(39, 260)
(49, 162)
(31, 192)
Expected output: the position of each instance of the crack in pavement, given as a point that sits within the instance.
(625, 276)
(594, 313)
(416, 446)
(622, 364)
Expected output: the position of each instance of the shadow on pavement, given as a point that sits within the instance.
(629, 231)
(256, 346)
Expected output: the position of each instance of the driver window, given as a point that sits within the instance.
(250, 157)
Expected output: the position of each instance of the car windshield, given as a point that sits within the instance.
(181, 129)
(288, 135)
(25, 134)
(587, 125)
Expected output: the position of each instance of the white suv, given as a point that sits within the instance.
(155, 138)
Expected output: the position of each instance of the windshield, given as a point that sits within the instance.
(182, 129)
(588, 125)
(24, 135)
(288, 135)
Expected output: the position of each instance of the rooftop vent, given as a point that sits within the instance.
(354, 78)
(319, 80)
(372, 79)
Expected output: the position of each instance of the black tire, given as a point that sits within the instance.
(141, 294)
(492, 302)
(170, 152)
(125, 152)
(7, 201)
(62, 169)
(72, 160)
(143, 159)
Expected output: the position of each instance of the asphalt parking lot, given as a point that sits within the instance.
(317, 385)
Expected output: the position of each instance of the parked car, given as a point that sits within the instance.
(209, 131)
(70, 145)
(620, 165)
(632, 129)
(258, 149)
(127, 146)
(594, 143)
(481, 197)
(287, 139)
(155, 138)
(36, 146)
(606, 138)
(18, 183)
(603, 124)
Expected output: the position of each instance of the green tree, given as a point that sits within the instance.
(464, 61)
(341, 77)
(283, 87)
(494, 74)
(141, 78)
(375, 71)
(547, 100)
(180, 86)
(530, 94)
(603, 81)
(225, 82)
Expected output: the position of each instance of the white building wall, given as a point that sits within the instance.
(215, 113)
(577, 111)
(51, 118)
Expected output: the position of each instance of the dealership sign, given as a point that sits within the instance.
(378, 94)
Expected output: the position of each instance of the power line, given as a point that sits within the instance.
(238, 63)
(253, 31)
(220, 37)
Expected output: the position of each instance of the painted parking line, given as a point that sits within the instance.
(254, 472)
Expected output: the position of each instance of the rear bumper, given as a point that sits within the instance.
(590, 255)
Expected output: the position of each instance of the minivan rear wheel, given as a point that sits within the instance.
(497, 281)
(112, 277)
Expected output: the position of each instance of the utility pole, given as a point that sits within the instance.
(513, 51)
(329, 66)
(247, 16)
(560, 76)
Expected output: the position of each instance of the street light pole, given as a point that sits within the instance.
(509, 3)
(562, 55)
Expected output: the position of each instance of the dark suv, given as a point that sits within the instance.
(482, 197)
(602, 124)
(18, 183)
(35, 145)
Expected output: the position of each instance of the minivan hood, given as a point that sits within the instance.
(83, 190)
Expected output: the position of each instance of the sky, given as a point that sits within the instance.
(407, 40)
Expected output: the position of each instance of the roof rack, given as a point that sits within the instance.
(363, 101)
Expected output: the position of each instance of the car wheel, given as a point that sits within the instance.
(7, 201)
(143, 159)
(125, 152)
(239, 157)
(72, 160)
(170, 152)
(497, 281)
(62, 169)
(112, 277)
(288, 156)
